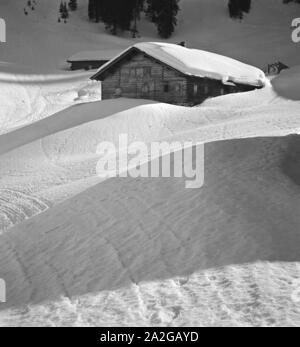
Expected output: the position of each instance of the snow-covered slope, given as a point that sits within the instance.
(38, 40)
(27, 97)
(263, 37)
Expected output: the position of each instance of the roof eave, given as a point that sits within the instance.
(109, 64)
(131, 49)
(112, 62)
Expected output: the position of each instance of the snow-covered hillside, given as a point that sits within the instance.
(263, 37)
(77, 250)
(38, 40)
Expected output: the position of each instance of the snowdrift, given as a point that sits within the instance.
(151, 249)
(79, 251)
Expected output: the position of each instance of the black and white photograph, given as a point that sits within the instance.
(149, 166)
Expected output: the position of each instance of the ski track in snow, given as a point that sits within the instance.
(17, 206)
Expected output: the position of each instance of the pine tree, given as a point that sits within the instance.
(153, 8)
(288, 1)
(95, 9)
(119, 14)
(99, 9)
(134, 28)
(235, 9)
(164, 14)
(238, 7)
(92, 9)
(245, 5)
(61, 8)
(65, 12)
(73, 5)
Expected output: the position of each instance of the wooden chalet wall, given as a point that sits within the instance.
(144, 78)
(200, 89)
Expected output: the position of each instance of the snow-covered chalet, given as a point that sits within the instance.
(175, 74)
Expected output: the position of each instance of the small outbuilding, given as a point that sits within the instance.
(276, 68)
(90, 60)
(175, 74)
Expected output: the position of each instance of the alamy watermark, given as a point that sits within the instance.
(2, 30)
(296, 30)
(154, 160)
(2, 291)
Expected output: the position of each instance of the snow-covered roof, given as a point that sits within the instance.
(195, 62)
(94, 55)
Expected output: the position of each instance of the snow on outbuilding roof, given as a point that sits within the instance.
(93, 55)
(197, 63)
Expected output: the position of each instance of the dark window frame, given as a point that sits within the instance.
(166, 87)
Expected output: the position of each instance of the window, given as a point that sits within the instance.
(177, 88)
(126, 71)
(222, 91)
(147, 71)
(139, 72)
(206, 90)
(145, 88)
(148, 88)
(118, 92)
(166, 88)
(195, 89)
(152, 86)
(132, 72)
